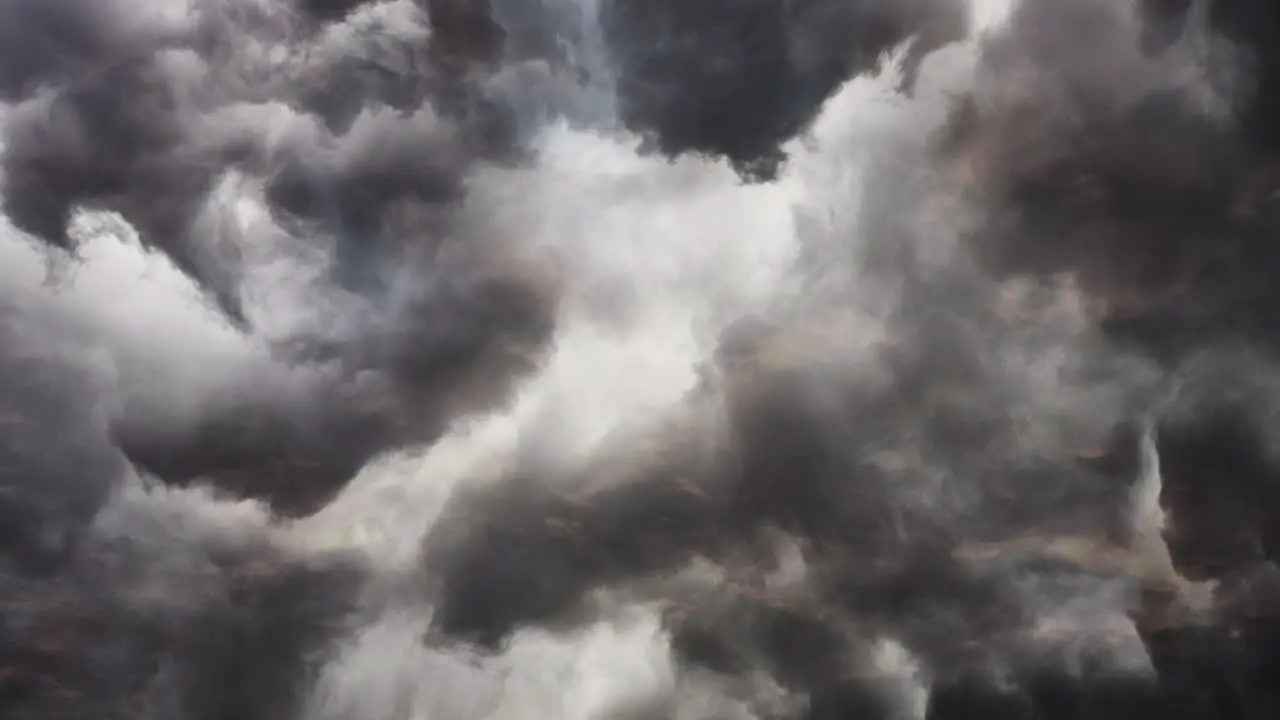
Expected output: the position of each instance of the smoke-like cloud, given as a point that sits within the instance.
(605, 359)
(740, 78)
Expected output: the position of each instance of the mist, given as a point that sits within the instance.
(623, 360)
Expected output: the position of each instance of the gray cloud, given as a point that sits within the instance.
(995, 441)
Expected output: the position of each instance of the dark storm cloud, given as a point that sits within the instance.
(138, 131)
(128, 119)
(1157, 192)
(729, 79)
(159, 112)
(1142, 171)
(1090, 157)
(115, 138)
(971, 488)
(152, 617)
(359, 135)
(115, 604)
(1250, 27)
(328, 10)
(739, 79)
(843, 462)
(59, 464)
(119, 603)
(397, 382)
(49, 43)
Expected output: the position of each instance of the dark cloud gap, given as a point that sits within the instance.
(941, 495)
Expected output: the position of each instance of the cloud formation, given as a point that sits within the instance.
(612, 360)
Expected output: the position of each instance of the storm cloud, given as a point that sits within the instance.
(609, 359)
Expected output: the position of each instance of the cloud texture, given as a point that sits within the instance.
(638, 360)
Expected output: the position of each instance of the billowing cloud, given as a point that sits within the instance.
(603, 359)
